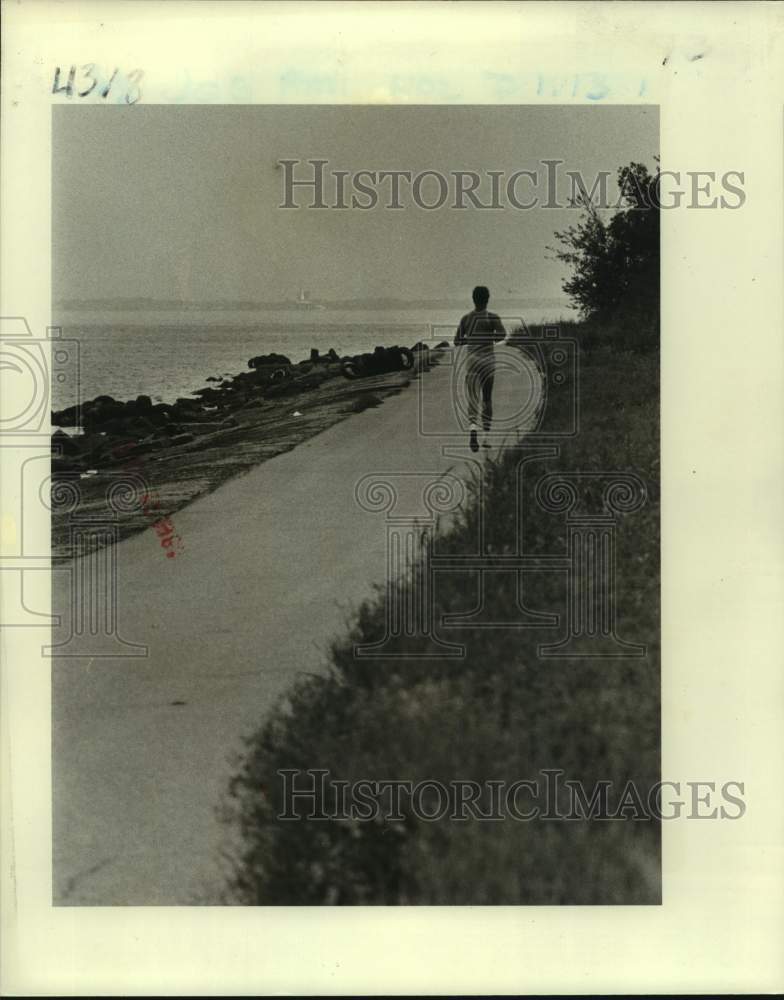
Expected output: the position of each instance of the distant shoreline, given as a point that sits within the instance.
(285, 305)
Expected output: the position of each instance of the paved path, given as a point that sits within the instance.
(273, 563)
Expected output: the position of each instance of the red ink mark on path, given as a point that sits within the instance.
(163, 526)
(164, 529)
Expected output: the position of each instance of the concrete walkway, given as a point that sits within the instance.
(273, 564)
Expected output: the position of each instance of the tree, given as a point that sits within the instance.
(615, 264)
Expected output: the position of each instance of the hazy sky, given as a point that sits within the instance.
(179, 202)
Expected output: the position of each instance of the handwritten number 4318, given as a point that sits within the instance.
(89, 81)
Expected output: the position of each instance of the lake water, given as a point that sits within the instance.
(170, 354)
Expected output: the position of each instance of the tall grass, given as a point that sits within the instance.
(501, 713)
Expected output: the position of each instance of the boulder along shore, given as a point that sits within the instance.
(137, 462)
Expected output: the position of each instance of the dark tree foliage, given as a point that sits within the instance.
(614, 264)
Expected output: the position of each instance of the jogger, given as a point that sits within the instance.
(478, 331)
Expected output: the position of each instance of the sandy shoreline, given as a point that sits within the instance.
(126, 474)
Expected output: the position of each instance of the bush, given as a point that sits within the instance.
(500, 713)
(615, 264)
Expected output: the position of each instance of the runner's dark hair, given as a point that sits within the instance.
(481, 296)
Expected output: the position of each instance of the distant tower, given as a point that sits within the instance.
(304, 301)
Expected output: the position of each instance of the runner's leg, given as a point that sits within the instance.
(473, 391)
(488, 379)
